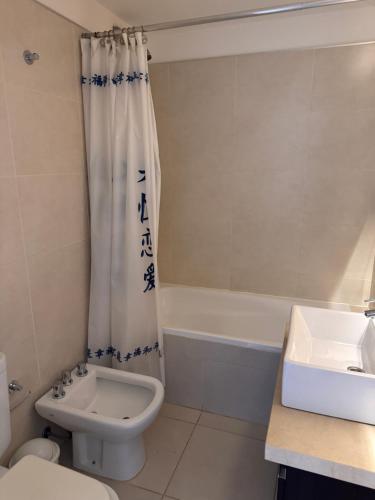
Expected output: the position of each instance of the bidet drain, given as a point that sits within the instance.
(125, 418)
(355, 369)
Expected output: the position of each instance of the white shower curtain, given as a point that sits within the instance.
(124, 189)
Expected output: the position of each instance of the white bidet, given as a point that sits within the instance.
(107, 411)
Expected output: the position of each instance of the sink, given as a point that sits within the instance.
(329, 364)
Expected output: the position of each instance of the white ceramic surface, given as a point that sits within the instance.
(107, 412)
(34, 478)
(236, 318)
(4, 407)
(39, 447)
(322, 344)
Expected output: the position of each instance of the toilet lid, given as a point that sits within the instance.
(34, 478)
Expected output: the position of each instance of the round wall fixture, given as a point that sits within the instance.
(29, 57)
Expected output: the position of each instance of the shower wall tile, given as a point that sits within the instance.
(342, 139)
(16, 333)
(268, 180)
(59, 294)
(6, 163)
(344, 77)
(18, 23)
(55, 72)
(275, 80)
(11, 245)
(55, 144)
(43, 205)
(54, 210)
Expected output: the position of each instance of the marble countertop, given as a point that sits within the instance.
(332, 447)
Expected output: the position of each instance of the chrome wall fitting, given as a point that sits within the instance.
(14, 386)
(29, 57)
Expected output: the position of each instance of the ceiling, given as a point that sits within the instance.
(138, 12)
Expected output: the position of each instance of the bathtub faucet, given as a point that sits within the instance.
(370, 313)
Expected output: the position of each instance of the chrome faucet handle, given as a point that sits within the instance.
(58, 390)
(14, 386)
(368, 301)
(66, 377)
(81, 369)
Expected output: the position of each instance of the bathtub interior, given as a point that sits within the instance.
(247, 318)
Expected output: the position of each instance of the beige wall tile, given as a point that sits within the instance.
(275, 80)
(54, 143)
(202, 75)
(342, 139)
(55, 72)
(16, 333)
(267, 139)
(6, 163)
(330, 287)
(201, 235)
(59, 293)
(344, 77)
(11, 246)
(283, 142)
(18, 22)
(54, 210)
(41, 125)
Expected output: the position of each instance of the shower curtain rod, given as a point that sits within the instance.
(278, 9)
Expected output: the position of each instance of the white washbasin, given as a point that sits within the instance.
(322, 345)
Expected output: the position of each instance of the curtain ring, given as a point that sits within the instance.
(144, 36)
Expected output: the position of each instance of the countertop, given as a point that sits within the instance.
(332, 447)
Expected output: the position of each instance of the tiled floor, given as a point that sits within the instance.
(193, 455)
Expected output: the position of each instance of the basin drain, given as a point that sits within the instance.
(355, 369)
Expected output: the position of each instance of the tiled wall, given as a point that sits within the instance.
(268, 164)
(43, 203)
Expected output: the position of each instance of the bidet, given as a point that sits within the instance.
(107, 411)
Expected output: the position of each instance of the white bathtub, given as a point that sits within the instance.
(223, 348)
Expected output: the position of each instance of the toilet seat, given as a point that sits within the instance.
(34, 478)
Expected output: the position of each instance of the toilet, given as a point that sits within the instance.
(33, 477)
(107, 411)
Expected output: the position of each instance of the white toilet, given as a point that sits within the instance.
(35, 478)
(107, 411)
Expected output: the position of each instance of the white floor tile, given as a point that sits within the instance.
(228, 424)
(223, 466)
(165, 441)
(180, 413)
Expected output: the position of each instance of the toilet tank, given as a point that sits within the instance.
(4, 407)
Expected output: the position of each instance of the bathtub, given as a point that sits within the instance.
(222, 348)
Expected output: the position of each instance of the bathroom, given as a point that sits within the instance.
(264, 137)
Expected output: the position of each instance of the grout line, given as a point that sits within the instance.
(59, 248)
(51, 174)
(180, 419)
(20, 218)
(263, 440)
(45, 93)
(180, 458)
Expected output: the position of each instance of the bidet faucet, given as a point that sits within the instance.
(66, 377)
(58, 390)
(81, 369)
(370, 313)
